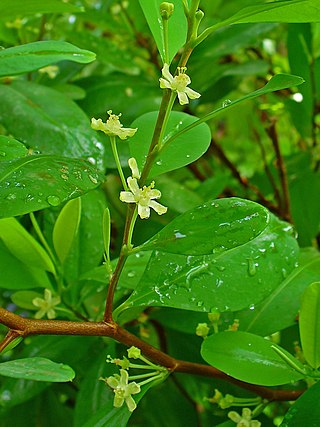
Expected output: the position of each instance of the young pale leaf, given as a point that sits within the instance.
(256, 361)
(212, 227)
(278, 82)
(230, 278)
(309, 323)
(11, 149)
(186, 149)
(177, 26)
(13, 8)
(305, 411)
(32, 56)
(37, 369)
(66, 228)
(37, 182)
(23, 246)
(285, 299)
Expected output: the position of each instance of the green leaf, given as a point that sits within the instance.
(230, 279)
(29, 111)
(11, 148)
(249, 358)
(23, 299)
(278, 82)
(66, 228)
(37, 369)
(186, 149)
(305, 411)
(177, 31)
(309, 324)
(13, 8)
(37, 182)
(32, 56)
(23, 246)
(211, 228)
(284, 300)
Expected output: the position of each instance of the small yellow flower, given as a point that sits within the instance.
(50, 70)
(112, 127)
(134, 352)
(123, 390)
(46, 305)
(143, 197)
(243, 420)
(178, 84)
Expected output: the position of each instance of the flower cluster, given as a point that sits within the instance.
(46, 305)
(244, 420)
(227, 400)
(113, 126)
(178, 84)
(121, 385)
(143, 197)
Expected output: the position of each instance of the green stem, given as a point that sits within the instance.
(165, 27)
(151, 379)
(166, 119)
(137, 377)
(117, 160)
(131, 228)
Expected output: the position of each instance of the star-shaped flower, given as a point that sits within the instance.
(112, 127)
(178, 84)
(143, 197)
(123, 390)
(46, 305)
(243, 420)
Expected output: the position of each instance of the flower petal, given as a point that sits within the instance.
(124, 377)
(38, 302)
(131, 404)
(133, 185)
(118, 401)
(51, 314)
(133, 165)
(234, 416)
(127, 197)
(166, 73)
(160, 209)
(154, 194)
(183, 99)
(143, 211)
(192, 94)
(164, 84)
(133, 388)
(112, 382)
(124, 133)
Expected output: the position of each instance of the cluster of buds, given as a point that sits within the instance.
(125, 385)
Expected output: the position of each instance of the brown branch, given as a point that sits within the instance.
(273, 135)
(23, 327)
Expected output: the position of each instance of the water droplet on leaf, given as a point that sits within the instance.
(53, 200)
(251, 267)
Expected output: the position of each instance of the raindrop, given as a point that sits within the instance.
(226, 103)
(251, 307)
(92, 160)
(219, 282)
(53, 200)
(29, 197)
(179, 235)
(3, 154)
(131, 274)
(11, 196)
(284, 273)
(251, 267)
(221, 267)
(159, 162)
(200, 303)
(64, 176)
(6, 395)
(77, 174)
(93, 179)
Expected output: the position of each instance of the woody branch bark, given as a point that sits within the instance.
(22, 327)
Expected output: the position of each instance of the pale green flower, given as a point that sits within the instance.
(178, 84)
(143, 197)
(46, 305)
(243, 420)
(202, 330)
(112, 127)
(123, 390)
(50, 70)
(134, 352)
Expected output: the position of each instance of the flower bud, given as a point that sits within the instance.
(166, 10)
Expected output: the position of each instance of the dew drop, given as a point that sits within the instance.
(159, 162)
(11, 196)
(284, 273)
(3, 154)
(131, 274)
(53, 200)
(64, 176)
(251, 267)
(200, 303)
(6, 395)
(221, 267)
(93, 179)
(226, 102)
(29, 198)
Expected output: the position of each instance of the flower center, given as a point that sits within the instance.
(180, 82)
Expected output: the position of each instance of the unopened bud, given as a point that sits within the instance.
(166, 10)
(202, 330)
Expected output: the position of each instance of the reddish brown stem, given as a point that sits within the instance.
(20, 326)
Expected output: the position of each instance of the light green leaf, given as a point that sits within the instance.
(211, 228)
(278, 82)
(23, 299)
(309, 324)
(231, 278)
(23, 246)
(177, 26)
(14, 8)
(11, 148)
(37, 369)
(186, 149)
(249, 358)
(32, 56)
(37, 182)
(66, 228)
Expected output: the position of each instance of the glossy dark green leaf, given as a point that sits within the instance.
(66, 228)
(233, 279)
(32, 56)
(309, 323)
(30, 111)
(284, 300)
(23, 299)
(37, 369)
(186, 149)
(37, 182)
(177, 26)
(249, 358)
(305, 411)
(23, 245)
(210, 228)
(13, 8)
(11, 149)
